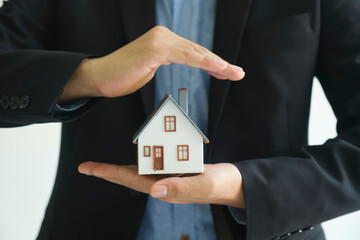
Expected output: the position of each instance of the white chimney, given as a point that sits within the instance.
(183, 99)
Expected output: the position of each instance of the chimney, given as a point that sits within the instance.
(183, 99)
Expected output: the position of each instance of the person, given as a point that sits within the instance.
(90, 65)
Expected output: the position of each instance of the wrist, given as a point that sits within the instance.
(82, 83)
(234, 196)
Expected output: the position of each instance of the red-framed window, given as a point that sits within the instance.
(147, 151)
(170, 123)
(183, 152)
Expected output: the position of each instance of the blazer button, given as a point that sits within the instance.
(24, 102)
(14, 102)
(4, 102)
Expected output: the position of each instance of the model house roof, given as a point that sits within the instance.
(163, 102)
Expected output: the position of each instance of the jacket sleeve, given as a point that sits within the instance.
(32, 72)
(284, 194)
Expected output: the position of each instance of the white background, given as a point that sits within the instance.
(28, 161)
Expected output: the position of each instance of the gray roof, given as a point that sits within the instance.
(167, 98)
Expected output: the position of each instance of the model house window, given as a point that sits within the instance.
(147, 151)
(170, 123)
(158, 152)
(183, 152)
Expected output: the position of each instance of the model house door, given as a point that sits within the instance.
(158, 158)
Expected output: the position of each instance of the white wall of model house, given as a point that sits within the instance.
(154, 134)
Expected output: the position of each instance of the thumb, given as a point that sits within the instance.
(181, 188)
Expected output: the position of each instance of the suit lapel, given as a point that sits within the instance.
(231, 17)
(138, 16)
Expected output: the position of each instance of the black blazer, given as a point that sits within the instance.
(260, 124)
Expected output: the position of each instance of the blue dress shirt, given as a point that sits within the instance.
(193, 20)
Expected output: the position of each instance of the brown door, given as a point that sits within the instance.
(158, 157)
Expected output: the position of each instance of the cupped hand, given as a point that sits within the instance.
(132, 66)
(219, 184)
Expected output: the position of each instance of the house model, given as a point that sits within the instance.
(169, 142)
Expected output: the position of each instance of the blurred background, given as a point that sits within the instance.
(28, 162)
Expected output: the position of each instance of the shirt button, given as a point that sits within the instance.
(14, 102)
(4, 102)
(185, 237)
(24, 101)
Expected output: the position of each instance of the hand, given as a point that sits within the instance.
(219, 184)
(132, 66)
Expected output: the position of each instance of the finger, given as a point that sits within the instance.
(123, 175)
(184, 51)
(232, 72)
(196, 189)
(208, 62)
(191, 56)
(218, 76)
